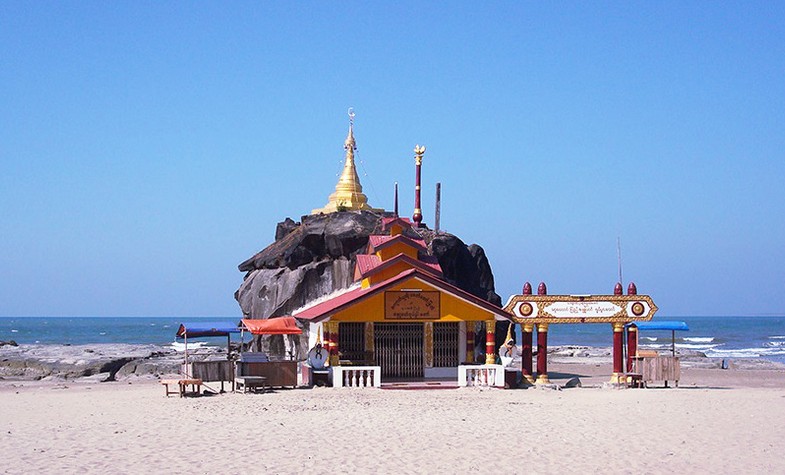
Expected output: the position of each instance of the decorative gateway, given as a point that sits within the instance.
(542, 310)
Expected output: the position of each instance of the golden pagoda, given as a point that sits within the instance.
(348, 193)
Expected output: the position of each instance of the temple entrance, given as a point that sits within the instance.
(398, 349)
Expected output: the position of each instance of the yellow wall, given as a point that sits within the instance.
(452, 309)
(396, 248)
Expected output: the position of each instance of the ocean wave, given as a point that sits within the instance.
(777, 337)
(14, 331)
(691, 346)
(650, 338)
(699, 339)
(744, 352)
(776, 344)
(191, 346)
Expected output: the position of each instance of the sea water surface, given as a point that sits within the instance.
(719, 337)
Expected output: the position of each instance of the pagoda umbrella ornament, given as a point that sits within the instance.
(419, 151)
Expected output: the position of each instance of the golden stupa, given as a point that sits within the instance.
(348, 193)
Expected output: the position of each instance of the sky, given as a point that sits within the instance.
(147, 148)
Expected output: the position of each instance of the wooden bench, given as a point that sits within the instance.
(250, 382)
(182, 384)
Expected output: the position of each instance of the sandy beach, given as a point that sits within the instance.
(715, 422)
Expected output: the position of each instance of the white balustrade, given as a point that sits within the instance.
(356, 376)
(487, 375)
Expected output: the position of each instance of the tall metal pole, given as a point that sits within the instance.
(437, 218)
(396, 199)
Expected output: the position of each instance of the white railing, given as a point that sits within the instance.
(356, 376)
(490, 375)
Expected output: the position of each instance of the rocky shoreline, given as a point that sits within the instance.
(92, 363)
(121, 362)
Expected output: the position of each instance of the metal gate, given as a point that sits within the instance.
(445, 344)
(398, 349)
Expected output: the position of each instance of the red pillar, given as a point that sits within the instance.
(542, 354)
(527, 357)
(490, 342)
(632, 345)
(618, 348)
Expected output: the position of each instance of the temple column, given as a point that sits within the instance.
(369, 348)
(526, 356)
(618, 359)
(428, 345)
(470, 342)
(334, 358)
(632, 345)
(542, 354)
(490, 342)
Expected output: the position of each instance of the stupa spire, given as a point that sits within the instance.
(348, 194)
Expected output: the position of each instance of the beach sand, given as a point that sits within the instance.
(717, 421)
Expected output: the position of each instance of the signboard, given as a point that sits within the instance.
(581, 308)
(414, 305)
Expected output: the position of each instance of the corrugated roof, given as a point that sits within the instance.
(387, 222)
(368, 267)
(376, 242)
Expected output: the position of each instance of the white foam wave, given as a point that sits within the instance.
(14, 331)
(699, 339)
(776, 344)
(744, 352)
(102, 333)
(777, 337)
(650, 338)
(178, 346)
(690, 346)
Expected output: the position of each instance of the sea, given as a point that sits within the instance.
(717, 337)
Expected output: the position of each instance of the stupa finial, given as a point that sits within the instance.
(348, 193)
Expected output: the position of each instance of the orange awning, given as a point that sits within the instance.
(272, 326)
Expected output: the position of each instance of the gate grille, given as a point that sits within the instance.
(398, 349)
(351, 341)
(445, 344)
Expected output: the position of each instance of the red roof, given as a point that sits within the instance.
(272, 326)
(327, 308)
(376, 242)
(368, 267)
(366, 262)
(403, 222)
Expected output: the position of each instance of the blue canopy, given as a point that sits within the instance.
(662, 325)
(197, 329)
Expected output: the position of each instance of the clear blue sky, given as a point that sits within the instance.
(147, 148)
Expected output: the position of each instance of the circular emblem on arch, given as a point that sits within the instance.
(638, 309)
(526, 309)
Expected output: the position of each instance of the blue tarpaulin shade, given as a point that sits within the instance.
(662, 325)
(197, 329)
(673, 326)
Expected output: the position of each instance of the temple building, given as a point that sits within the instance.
(401, 315)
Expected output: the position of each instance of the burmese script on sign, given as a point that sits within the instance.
(582, 309)
(411, 305)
